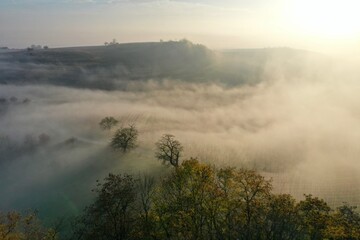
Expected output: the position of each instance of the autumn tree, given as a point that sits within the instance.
(314, 214)
(16, 226)
(282, 218)
(112, 215)
(345, 224)
(198, 201)
(146, 223)
(245, 196)
(183, 200)
(169, 150)
(125, 138)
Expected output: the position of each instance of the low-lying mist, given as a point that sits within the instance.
(302, 132)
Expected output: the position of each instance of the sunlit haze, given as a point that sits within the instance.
(324, 26)
(179, 119)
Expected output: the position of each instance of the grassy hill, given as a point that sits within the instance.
(111, 67)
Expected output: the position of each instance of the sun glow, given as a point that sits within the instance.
(327, 18)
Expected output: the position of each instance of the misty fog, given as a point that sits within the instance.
(303, 132)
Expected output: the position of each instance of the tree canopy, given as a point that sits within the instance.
(16, 226)
(125, 138)
(199, 201)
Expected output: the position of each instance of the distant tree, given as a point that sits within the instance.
(169, 150)
(5, 142)
(13, 99)
(71, 141)
(125, 138)
(45, 47)
(29, 143)
(114, 42)
(111, 43)
(108, 122)
(3, 101)
(26, 101)
(44, 139)
(36, 47)
(185, 41)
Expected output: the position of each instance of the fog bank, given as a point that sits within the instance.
(304, 134)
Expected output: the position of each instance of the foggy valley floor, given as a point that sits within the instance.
(292, 121)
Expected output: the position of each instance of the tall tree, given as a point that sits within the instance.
(282, 218)
(314, 215)
(113, 214)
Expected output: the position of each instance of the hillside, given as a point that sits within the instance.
(111, 67)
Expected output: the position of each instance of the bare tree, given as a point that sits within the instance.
(169, 150)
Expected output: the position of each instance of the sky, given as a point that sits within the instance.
(318, 25)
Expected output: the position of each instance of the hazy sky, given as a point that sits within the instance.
(316, 25)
